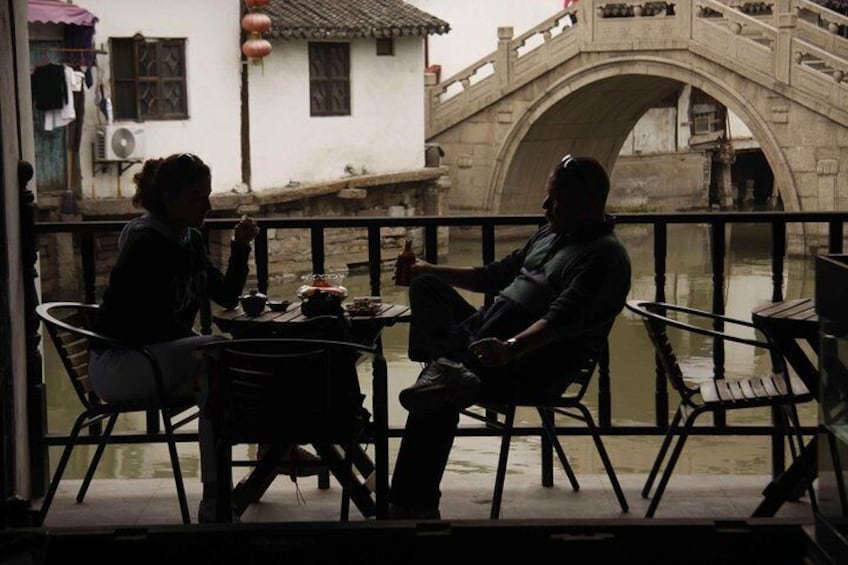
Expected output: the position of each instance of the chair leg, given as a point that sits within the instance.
(602, 452)
(60, 468)
(655, 468)
(347, 479)
(837, 468)
(95, 461)
(547, 417)
(795, 423)
(500, 476)
(175, 465)
(672, 461)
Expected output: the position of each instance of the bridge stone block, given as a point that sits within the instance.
(801, 159)
(827, 167)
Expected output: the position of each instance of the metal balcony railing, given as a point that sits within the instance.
(489, 227)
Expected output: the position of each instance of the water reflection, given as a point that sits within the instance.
(689, 281)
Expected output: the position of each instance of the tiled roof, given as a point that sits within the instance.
(335, 19)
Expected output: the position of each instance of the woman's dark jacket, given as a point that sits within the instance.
(159, 280)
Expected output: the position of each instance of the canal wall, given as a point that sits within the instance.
(405, 194)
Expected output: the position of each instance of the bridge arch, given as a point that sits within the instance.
(591, 111)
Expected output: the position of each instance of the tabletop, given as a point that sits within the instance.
(235, 321)
(797, 315)
(787, 323)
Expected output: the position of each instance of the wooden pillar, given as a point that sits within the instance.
(36, 400)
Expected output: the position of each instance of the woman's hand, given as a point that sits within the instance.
(246, 230)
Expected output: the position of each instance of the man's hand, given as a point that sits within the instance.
(246, 230)
(491, 352)
(416, 268)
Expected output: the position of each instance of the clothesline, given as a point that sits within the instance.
(75, 50)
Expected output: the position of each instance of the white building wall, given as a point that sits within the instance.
(384, 133)
(213, 59)
(474, 26)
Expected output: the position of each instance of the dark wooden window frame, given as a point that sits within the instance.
(385, 46)
(149, 78)
(329, 78)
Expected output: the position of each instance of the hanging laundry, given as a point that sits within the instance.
(66, 114)
(49, 87)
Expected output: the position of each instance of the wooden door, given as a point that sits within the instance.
(51, 161)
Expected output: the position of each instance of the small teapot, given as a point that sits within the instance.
(253, 303)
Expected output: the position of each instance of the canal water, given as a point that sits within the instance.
(688, 281)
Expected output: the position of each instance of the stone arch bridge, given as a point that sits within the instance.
(782, 68)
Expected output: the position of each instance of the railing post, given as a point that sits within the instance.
(503, 58)
(660, 383)
(89, 272)
(778, 251)
(834, 237)
(375, 260)
(786, 20)
(317, 242)
(260, 256)
(36, 399)
(718, 246)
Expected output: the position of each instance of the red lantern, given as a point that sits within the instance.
(256, 48)
(256, 22)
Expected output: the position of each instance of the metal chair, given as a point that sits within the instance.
(780, 389)
(69, 325)
(569, 405)
(285, 391)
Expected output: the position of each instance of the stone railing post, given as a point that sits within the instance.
(786, 21)
(684, 12)
(430, 81)
(586, 14)
(503, 58)
(36, 400)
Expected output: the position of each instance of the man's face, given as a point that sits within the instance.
(560, 207)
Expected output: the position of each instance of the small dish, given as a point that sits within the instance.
(279, 305)
(369, 309)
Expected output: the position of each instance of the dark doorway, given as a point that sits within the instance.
(753, 181)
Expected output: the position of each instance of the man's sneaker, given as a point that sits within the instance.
(443, 383)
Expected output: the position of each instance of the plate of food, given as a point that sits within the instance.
(329, 283)
(364, 306)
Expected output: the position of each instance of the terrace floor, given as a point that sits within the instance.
(141, 502)
(707, 514)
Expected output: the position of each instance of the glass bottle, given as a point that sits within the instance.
(403, 265)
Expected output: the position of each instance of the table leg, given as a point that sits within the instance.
(251, 488)
(380, 407)
(333, 457)
(790, 483)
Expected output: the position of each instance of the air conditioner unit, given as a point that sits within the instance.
(119, 143)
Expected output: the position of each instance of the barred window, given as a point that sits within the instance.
(149, 78)
(329, 79)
